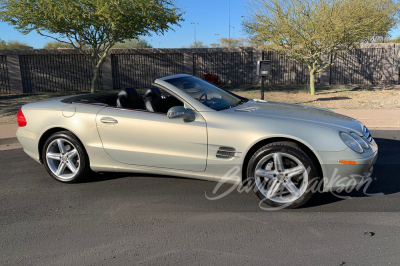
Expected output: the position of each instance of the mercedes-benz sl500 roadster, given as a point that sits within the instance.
(184, 126)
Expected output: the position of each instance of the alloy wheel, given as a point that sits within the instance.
(63, 159)
(281, 177)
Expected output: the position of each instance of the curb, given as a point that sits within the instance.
(8, 141)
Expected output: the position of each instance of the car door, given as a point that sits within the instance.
(152, 139)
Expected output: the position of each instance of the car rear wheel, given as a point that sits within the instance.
(282, 174)
(65, 158)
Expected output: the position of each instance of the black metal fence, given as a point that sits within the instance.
(139, 70)
(41, 73)
(65, 70)
(285, 71)
(4, 79)
(233, 68)
(360, 66)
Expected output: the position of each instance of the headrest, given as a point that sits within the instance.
(153, 92)
(129, 93)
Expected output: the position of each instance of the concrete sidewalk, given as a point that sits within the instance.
(382, 119)
(8, 140)
(374, 118)
(8, 131)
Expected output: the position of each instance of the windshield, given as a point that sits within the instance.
(205, 92)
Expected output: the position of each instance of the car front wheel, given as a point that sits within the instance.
(282, 174)
(65, 159)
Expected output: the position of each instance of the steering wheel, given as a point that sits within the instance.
(204, 95)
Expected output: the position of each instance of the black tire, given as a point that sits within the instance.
(81, 163)
(286, 148)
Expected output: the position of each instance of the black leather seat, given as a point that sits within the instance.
(154, 102)
(171, 101)
(129, 98)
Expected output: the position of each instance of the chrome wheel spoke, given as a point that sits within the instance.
(292, 188)
(295, 171)
(54, 156)
(61, 146)
(71, 166)
(72, 153)
(61, 169)
(266, 173)
(273, 189)
(278, 162)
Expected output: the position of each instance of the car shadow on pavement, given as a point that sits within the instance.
(385, 178)
(107, 176)
(100, 177)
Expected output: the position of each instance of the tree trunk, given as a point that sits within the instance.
(95, 78)
(312, 81)
(97, 67)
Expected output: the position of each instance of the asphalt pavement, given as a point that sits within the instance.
(128, 219)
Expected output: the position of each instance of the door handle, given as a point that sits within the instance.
(108, 120)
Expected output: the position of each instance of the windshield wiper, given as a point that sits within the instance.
(242, 101)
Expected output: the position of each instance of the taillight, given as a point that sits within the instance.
(21, 120)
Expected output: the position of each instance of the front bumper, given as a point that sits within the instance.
(339, 177)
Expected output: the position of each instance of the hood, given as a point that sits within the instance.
(297, 112)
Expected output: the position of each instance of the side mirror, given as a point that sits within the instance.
(180, 112)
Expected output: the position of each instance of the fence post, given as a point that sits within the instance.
(106, 71)
(396, 64)
(325, 74)
(388, 63)
(188, 63)
(14, 74)
(257, 56)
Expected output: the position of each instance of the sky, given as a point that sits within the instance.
(212, 17)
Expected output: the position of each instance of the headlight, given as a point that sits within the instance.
(351, 142)
(360, 141)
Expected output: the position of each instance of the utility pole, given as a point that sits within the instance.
(195, 24)
(229, 19)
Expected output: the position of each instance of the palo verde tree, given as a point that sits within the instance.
(198, 44)
(57, 45)
(14, 44)
(96, 24)
(314, 31)
(230, 42)
(133, 44)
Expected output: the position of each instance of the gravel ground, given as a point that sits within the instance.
(330, 97)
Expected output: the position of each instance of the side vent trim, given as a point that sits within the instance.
(226, 153)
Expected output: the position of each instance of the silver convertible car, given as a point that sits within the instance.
(184, 126)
